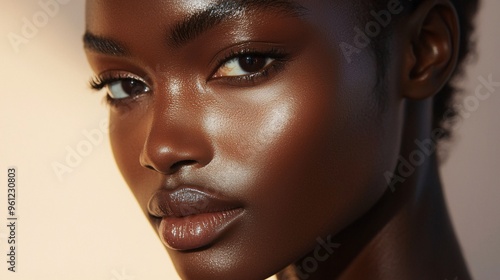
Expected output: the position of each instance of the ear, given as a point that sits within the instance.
(432, 48)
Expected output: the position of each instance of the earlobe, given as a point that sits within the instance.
(432, 49)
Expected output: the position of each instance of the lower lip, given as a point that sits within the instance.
(196, 231)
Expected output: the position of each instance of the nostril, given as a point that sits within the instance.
(168, 155)
(149, 167)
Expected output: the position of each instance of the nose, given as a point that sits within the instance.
(176, 140)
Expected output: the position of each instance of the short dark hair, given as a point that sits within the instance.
(444, 111)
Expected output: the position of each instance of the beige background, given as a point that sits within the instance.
(87, 226)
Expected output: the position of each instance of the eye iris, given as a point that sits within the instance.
(252, 63)
(132, 87)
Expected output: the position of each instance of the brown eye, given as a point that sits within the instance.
(243, 65)
(252, 63)
(126, 87)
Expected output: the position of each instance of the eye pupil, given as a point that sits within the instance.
(252, 63)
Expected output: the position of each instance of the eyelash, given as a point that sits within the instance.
(97, 83)
(279, 56)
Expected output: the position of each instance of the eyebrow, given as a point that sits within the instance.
(199, 22)
(103, 45)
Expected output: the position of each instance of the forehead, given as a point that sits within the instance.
(156, 21)
(157, 12)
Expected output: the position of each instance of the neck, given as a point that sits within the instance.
(406, 235)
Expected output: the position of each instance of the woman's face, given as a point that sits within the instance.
(240, 126)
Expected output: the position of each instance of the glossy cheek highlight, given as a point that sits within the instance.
(175, 87)
(276, 121)
(213, 122)
(231, 172)
(267, 131)
(260, 140)
(242, 139)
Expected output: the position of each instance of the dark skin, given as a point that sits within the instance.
(262, 108)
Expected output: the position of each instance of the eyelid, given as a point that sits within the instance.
(278, 54)
(269, 61)
(255, 78)
(102, 80)
(249, 47)
(105, 79)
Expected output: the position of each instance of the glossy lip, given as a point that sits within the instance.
(191, 218)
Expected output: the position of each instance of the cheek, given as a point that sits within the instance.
(314, 153)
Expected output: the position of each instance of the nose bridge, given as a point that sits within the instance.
(176, 137)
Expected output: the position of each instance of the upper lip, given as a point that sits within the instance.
(186, 201)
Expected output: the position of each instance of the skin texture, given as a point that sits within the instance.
(302, 150)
